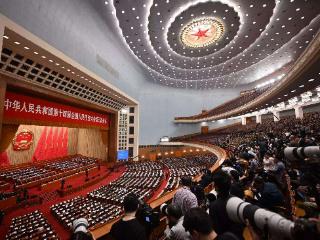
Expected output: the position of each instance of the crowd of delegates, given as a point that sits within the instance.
(75, 162)
(26, 175)
(47, 171)
(103, 204)
(259, 173)
(186, 166)
(31, 226)
(96, 212)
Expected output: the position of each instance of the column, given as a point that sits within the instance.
(243, 120)
(276, 116)
(258, 118)
(299, 112)
(204, 128)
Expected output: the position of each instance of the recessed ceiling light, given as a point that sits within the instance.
(106, 2)
(43, 56)
(6, 37)
(17, 43)
(298, 9)
(133, 9)
(36, 53)
(311, 80)
(26, 48)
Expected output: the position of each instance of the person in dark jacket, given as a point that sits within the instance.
(268, 194)
(217, 210)
(129, 227)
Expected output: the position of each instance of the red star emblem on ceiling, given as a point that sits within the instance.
(200, 33)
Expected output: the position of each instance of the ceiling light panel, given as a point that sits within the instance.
(256, 39)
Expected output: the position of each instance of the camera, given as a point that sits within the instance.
(303, 154)
(238, 211)
(80, 230)
(147, 216)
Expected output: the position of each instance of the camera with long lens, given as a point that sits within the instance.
(146, 215)
(303, 154)
(80, 230)
(274, 224)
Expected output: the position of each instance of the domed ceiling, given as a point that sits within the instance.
(215, 44)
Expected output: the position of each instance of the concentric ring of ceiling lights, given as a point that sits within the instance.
(259, 39)
(227, 29)
(202, 33)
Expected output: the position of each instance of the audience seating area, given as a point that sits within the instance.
(187, 166)
(228, 106)
(96, 212)
(27, 176)
(31, 226)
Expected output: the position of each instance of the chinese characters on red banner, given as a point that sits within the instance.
(18, 106)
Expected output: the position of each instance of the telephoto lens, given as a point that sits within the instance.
(80, 230)
(298, 154)
(276, 225)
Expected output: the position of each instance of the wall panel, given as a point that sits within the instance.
(73, 141)
(91, 143)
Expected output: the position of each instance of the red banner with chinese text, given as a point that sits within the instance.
(21, 107)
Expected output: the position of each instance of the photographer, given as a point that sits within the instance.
(267, 193)
(129, 227)
(218, 213)
(175, 230)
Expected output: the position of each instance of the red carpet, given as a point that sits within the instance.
(162, 185)
(45, 208)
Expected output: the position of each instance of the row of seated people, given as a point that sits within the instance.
(187, 166)
(43, 173)
(26, 175)
(111, 196)
(144, 166)
(143, 174)
(138, 182)
(115, 194)
(73, 163)
(96, 212)
(147, 175)
(31, 226)
(4, 185)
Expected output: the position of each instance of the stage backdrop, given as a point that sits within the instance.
(54, 142)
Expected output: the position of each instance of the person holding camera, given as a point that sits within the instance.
(218, 211)
(175, 230)
(129, 227)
